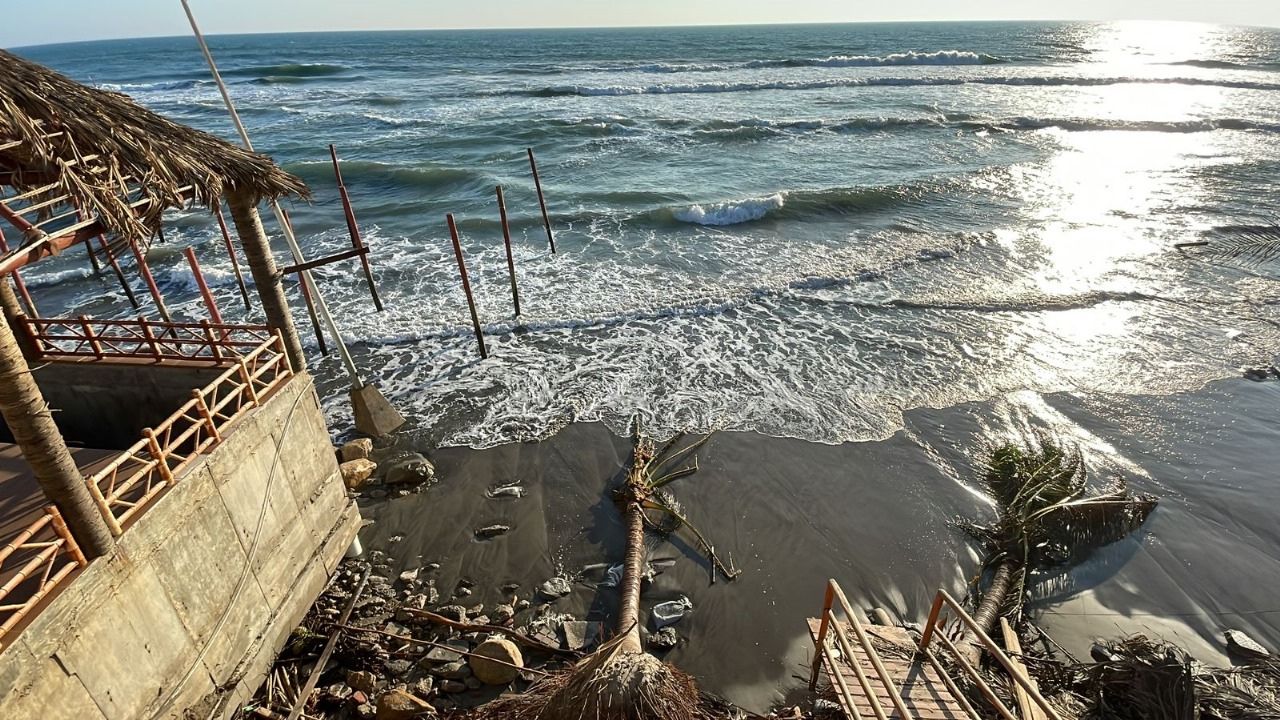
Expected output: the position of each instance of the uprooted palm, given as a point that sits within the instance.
(1046, 517)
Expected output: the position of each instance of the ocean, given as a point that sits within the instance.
(876, 244)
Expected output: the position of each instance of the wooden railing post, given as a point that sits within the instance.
(247, 378)
(824, 622)
(157, 454)
(213, 340)
(929, 627)
(68, 541)
(150, 337)
(94, 345)
(203, 408)
(103, 505)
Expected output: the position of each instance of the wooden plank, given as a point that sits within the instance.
(1026, 707)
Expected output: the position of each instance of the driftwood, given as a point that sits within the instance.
(442, 646)
(515, 635)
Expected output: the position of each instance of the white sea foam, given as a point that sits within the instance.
(731, 213)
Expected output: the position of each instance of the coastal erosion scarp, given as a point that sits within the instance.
(877, 516)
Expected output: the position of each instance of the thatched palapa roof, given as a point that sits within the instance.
(66, 145)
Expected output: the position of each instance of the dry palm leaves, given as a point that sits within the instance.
(92, 145)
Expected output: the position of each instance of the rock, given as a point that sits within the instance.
(358, 449)
(581, 634)
(502, 614)
(398, 667)
(366, 711)
(400, 705)
(360, 698)
(556, 587)
(456, 670)
(453, 686)
(489, 532)
(665, 639)
(1244, 646)
(475, 611)
(453, 612)
(362, 680)
(356, 472)
(473, 683)
(510, 588)
(462, 592)
(447, 652)
(409, 576)
(521, 605)
(496, 673)
(338, 691)
(412, 468)
(424, 686)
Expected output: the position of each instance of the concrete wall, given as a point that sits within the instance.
(146, 632)
(106, 405)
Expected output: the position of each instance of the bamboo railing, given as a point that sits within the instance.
(830, 621)
(141, 339)
(125, 485)
(33, 565)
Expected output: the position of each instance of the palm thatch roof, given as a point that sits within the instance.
(65, 144)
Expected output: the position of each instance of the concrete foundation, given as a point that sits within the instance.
(203, 590)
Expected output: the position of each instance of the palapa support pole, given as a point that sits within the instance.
(88, 244)
(304, 286)
(373, 414)
(537, 183)
(231, 253)
(115, 268)
(266, 279)
(154, 289)
(210, 304)
(17, 280)
(31, 423)
(466, 285)
(506, 239)
(356, 241)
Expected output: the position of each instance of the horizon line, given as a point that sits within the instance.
(634, 27)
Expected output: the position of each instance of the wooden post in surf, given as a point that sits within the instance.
(154, 289)
(231, 253)
(304, 281)
(466, 284)
(506, 239)
(537, 183)
(357, 242)
(115, 268)
(209, 302)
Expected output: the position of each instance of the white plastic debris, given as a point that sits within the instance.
(670, 612)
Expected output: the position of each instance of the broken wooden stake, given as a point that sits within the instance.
(537, 183)
(506, 239)
(231, 253)
(357, 242)
(466, 285)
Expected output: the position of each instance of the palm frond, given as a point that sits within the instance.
(1246, 244)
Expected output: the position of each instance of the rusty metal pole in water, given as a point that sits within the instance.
(357, 242)
(115, 268)
(466, 284)
(304, 282)
(537, 183)
(231, 253)
(506, 239)
(154, 289)
(196, 273)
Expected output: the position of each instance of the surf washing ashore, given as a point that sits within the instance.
(860, 255)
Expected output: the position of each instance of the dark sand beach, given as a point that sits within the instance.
(877, 517)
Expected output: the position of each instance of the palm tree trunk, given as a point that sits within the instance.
(13, 312)
(632, 572)
(29, 419)
(993, 599)
(257, 252)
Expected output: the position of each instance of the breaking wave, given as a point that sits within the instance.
(731, 213)
(297, 70)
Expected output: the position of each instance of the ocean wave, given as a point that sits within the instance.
(940, 57)
(297, 70)
(391, 121)
(1211, 64)
(1029, 303)
(1092, 124)
(49, 279)
(749, 86)
(154, 86)
(730, 213)
(377, 173)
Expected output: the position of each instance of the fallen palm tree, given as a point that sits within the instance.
(620, 681)
(1046, 518)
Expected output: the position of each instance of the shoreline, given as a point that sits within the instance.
(874, 515)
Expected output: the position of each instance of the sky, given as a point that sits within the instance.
(37, 22)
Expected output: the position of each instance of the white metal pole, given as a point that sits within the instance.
(356, 381)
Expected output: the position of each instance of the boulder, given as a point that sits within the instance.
(359, 449)
(453, 686)
(356, 472)
(581, 634)
(1243, 646)
(489, 672)
(400, 705)
(412, 468)
(362, 680)
(556, 587)
(502, 614)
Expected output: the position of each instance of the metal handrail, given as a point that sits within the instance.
(943, 598)
(828, 619)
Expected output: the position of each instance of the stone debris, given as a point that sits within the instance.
(581, 635)
(401, 705)
(355, 473)
(362, 680)
(492, 531)
(358, 449)
(1243, 646)
(556, 587)
(665, 639)
(409, 469)
(492, 660)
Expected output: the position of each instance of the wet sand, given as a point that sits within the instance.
(877, 516)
